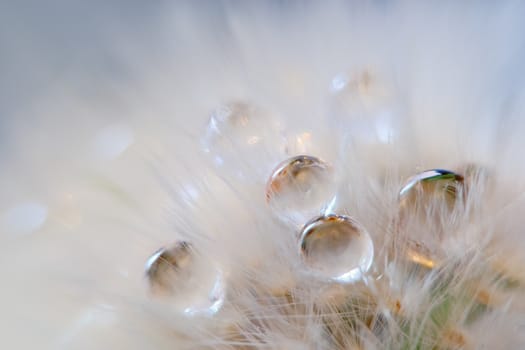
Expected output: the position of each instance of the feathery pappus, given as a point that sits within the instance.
(263, 175)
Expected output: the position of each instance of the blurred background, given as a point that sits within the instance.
(103, 104)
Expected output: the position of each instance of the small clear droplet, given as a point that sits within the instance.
(25, 217)
(111, 141)
(190, 282)
(337, 248)
(430, 205)
(431, 193)
(363, 104)
(300, 188)
(244, 141)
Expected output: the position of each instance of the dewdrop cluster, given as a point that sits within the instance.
(337, 250)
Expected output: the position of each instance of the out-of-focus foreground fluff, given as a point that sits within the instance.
(128, 127)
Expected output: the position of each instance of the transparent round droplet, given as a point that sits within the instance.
(24, 218)
(113, 140)
(337, 248)
(300, 188)
(365, 106)
(430, 207)
(244, 141)
(191, 283)
(431, 194)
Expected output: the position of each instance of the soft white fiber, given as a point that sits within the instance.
(104, 110)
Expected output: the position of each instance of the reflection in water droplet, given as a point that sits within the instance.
(299, 188)
(192, 284)
(337, 248)
(243, 141)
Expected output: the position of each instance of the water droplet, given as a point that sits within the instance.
(243, 140)
(67, 212)
(113, 140)
(192, 284)
(430, 193)
(25, 218)
(339, 82)
(300, 188)
(430, 206)
(363, 104)
(337, 248)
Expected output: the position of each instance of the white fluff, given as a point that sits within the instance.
(103, 111)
